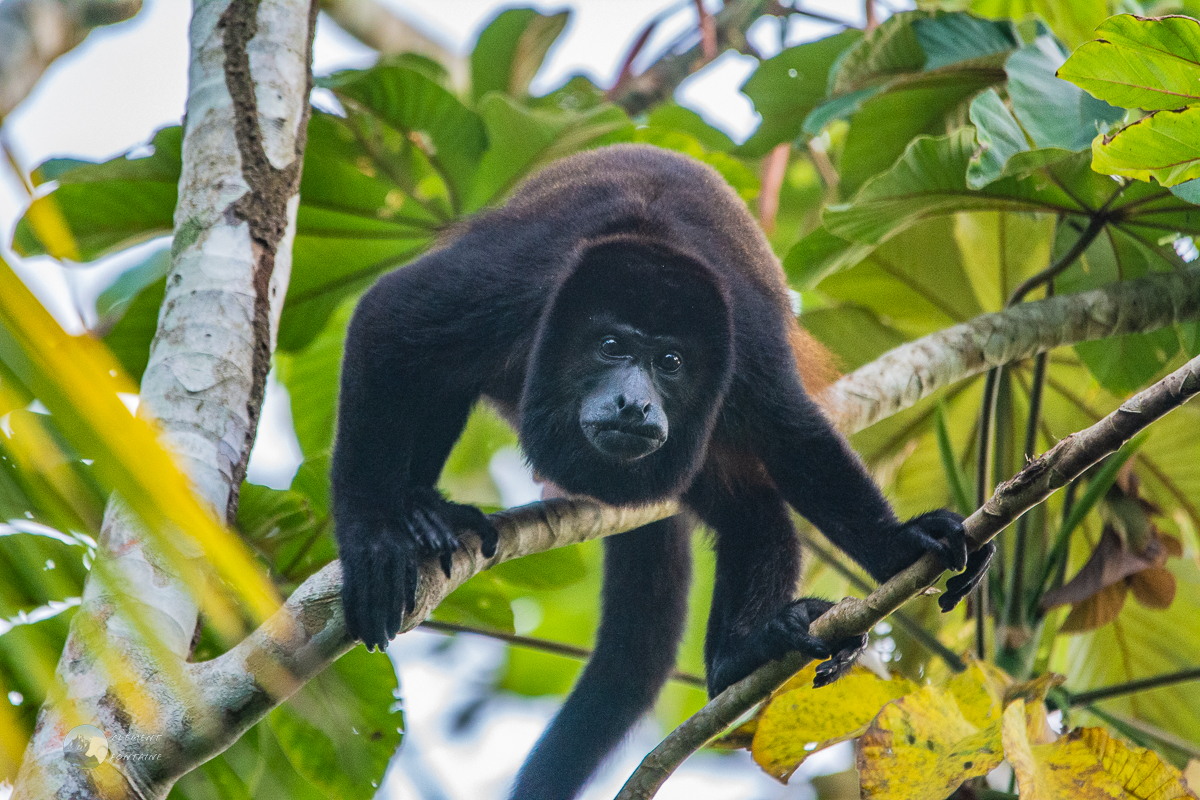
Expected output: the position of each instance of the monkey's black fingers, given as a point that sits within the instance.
(942, 533)
(435, 536)
(489, 539)
(846, 653)
(959, 586)
(471, 518)
(399, 597)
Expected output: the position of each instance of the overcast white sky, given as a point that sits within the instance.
(126, 81)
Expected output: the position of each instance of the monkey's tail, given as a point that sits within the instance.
(646, 573)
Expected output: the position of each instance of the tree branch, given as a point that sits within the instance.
(35, 32)
(1041, 478)
(901, 377)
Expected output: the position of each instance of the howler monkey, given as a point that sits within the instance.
(625, 312)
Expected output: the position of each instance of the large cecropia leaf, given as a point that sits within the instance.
(511, 49)
(1152, 64)
(112, 205)
(785, 88)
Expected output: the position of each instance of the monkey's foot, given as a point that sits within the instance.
(786, 631)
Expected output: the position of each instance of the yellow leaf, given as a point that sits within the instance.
(78, 380)
(1033, 693)
(799, 720)
(979, 692)
(1139, 771)
(1087, 764)
(51, 228)
(922, 747)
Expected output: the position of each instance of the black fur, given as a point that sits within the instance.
(656, 247)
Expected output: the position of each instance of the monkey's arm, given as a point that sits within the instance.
(409, 378)
(823, 479)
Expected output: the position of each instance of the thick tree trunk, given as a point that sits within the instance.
(244, 135)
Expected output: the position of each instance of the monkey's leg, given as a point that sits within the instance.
(754, 618)
(644, 606)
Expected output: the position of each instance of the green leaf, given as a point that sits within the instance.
(743, 180)
(480, 601)
(956, 37)
(38, 568)
(363, 210)
(884, 126)
(842, 107)
(1055, 113)
(1003, 151)
(311, 377)
(521, 140)
(955, 475)
(1000, 250)
(511, 49)
(342, 728)
(891, 49)
(551, 569)
(113, 205)
(1140, 63)
(129, 339)
(818, 255)
(930, 179)
(1071, 20)
(915, 282)
(1124, 364)
(1164, 146)
(674, 117)
(785, 88)
(115, 300)
(999, 136)
(416, 106)
(854, 334)
(282, 526)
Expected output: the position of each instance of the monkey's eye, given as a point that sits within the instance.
(611, 347)
(670, 362)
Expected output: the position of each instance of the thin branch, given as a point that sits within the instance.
(379, 28)
(1131, 687)
(1030, 486)
(33, 33)
(800, 12)
(545, 646)
(774, 168)
(708, 32)
(661, 79)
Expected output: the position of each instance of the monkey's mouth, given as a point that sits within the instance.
(624, 442)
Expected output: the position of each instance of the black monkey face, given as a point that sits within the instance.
(627, 374)
(624, 414)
